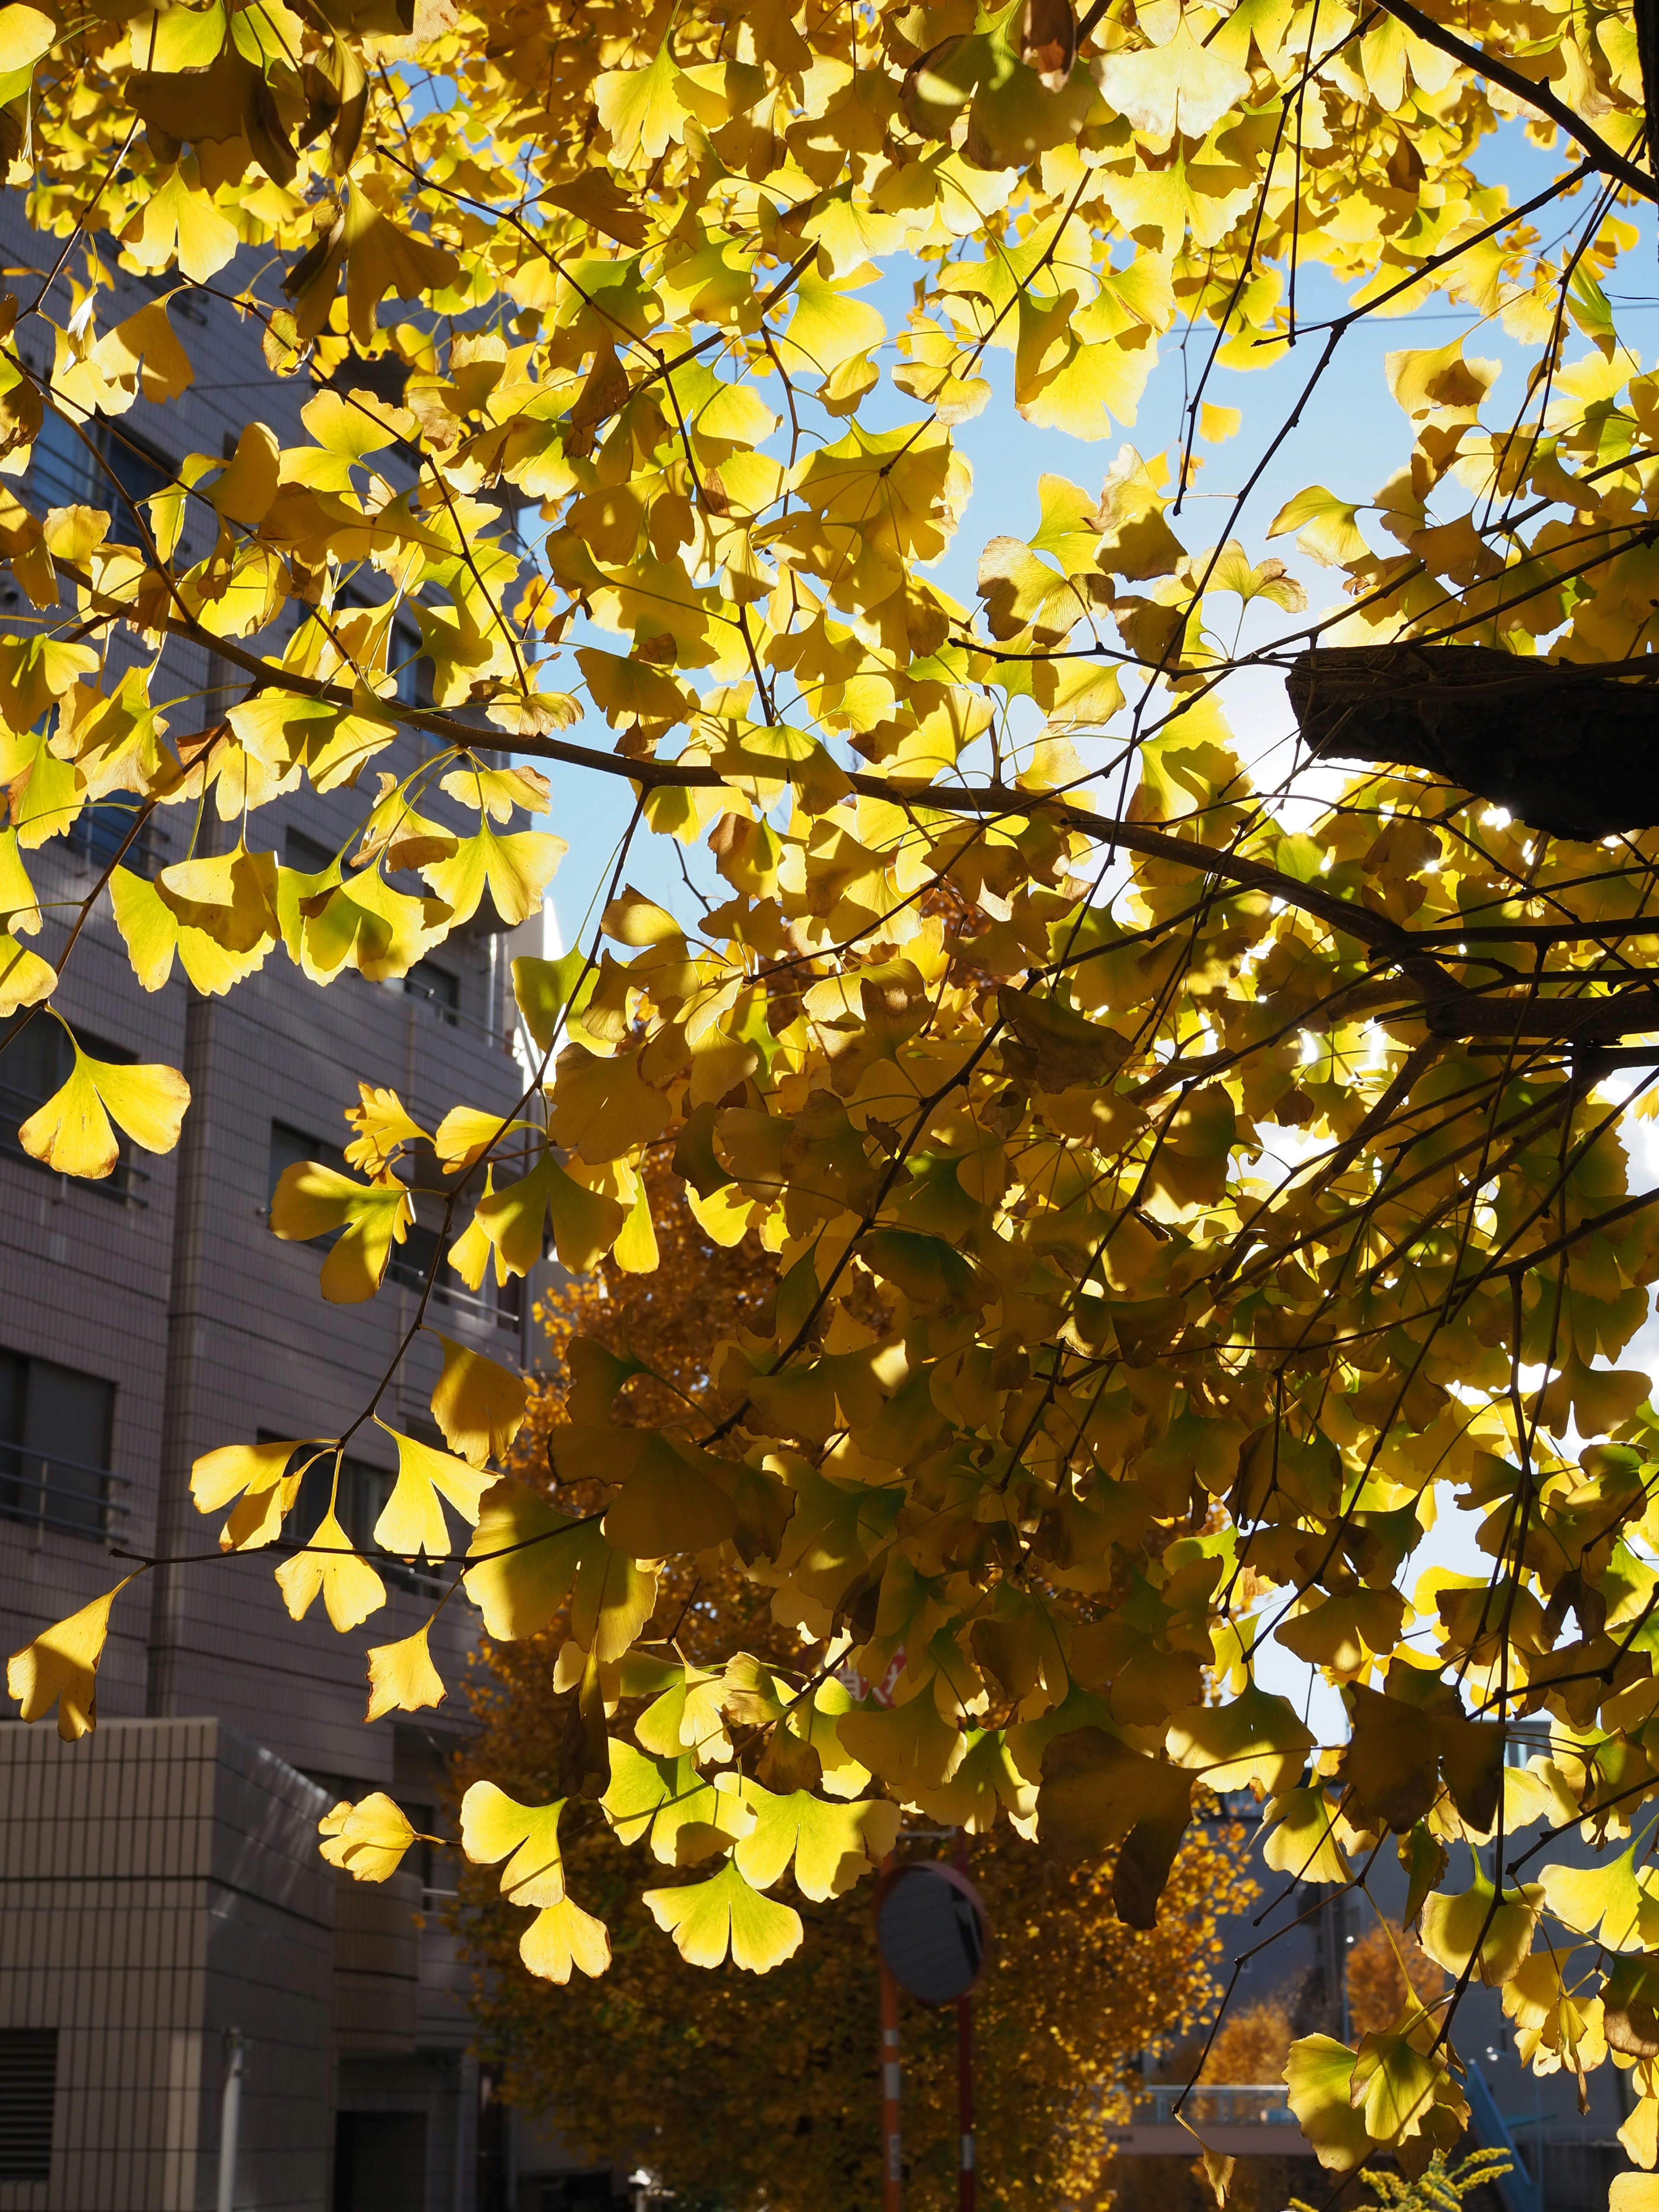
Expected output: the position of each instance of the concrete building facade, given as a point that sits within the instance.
(162, 1907)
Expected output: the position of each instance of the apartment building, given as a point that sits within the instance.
(194, 2010)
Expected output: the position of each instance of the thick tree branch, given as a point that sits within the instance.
(1538, 96)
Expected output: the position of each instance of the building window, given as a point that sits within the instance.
(64, 466)
(577, 2192)
(140, 472)
(436, 988)
(363, 1492)
(102, 827)
(412, 668)
(28, 2090)
(379, 2161)
(307, 856)
(412, 1262)
(92, 465)
(359, 1503)
(55, 1426)
(36, 1059)
(292, 1148)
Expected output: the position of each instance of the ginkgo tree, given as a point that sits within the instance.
(1178, 1179)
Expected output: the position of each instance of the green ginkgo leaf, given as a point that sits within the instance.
(708, 1919)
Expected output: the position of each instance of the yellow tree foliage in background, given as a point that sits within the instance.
(745, 2091)
(1186, 1171)
(1385, 1968)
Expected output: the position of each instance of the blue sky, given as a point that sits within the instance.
(1352, 438)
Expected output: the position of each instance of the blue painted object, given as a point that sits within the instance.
(1521, 2190)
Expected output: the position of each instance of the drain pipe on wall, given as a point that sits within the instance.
(230, 2118)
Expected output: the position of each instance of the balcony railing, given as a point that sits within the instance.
(50, 1492)
(408, 1271)
(1219, 2104)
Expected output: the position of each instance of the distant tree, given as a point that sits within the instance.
(1252, 2045)
(1385, 1966)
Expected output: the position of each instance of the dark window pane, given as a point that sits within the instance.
(66, 1415)
(28, 2091)
(34, 1060)
(411, 1261)
(139, 473)
(101, 829)
(363, 1492)
(435, 986)
(307, 856)
(576, 2192)
(62, 471)
(411, 667)
(291, 1147)
(13, 1371)
(379, 2161)
(54, 1445)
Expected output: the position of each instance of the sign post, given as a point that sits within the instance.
(966, 2173)
(965, 2103)
(930, 1930)
(892, 2167)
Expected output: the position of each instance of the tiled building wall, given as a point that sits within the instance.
(161, 1891)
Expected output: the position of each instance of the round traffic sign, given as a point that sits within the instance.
(931, 1927)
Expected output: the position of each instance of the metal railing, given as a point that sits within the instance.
(47, 1491)
(408, 1273)
(1219, 2104)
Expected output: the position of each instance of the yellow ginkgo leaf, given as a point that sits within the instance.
(494, 1825)
(479, 1404)
(1301, 1839)
(642, 108)
(310, 1200)
(1320, 2075)
(72, 1131)
(1325, 524)
(402, 1677)
(368, 1838)
(515, 869)
(180, 224)
(351, 1589)
(61, 1667)
(412, 1520)
(833, 1846)
(562, 1937)
(25, 34)
(1608, 1898)
(672, 1501)
(1494, 1934)
(262, 1481)
(707, 1918)
(25, 978)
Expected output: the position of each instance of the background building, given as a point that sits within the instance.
(165, 1922)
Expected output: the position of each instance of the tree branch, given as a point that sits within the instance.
(1536, 96)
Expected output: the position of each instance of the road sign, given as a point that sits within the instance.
(931, 1927)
